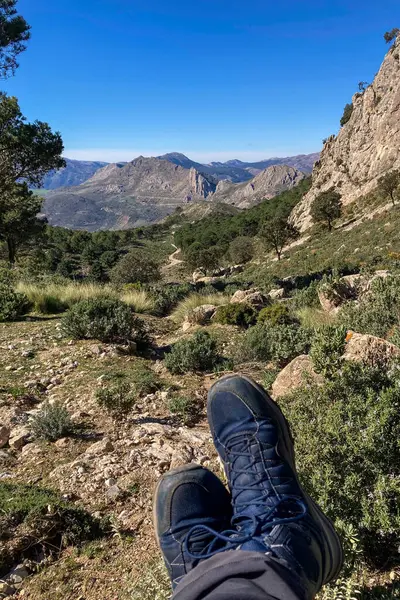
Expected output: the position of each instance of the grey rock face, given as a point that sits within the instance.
(366, 148)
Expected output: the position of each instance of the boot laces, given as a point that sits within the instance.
(254, 518)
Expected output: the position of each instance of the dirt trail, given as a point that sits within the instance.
(173, 261)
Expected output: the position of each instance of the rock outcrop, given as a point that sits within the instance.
(367, 146)
(370, 349)
(298, 373)
(266, 184)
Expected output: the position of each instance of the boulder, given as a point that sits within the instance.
(333, 296)
(277, 293)
(369, 349)
(253, 297)
(295, 375)
(4, 435)
(201, 314)
(101, 447)
(18, 438)
(197, 275)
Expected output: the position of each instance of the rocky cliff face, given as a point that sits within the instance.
(266, 184)
(74, 173)
(366, 148)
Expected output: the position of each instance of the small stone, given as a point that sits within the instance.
(6, 589)
(113, 493)
(18, 574)
(62, 442)
(9, 368)
(110, 482)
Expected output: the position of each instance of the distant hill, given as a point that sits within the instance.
(75, 173)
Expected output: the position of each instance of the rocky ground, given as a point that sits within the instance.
(110, 467)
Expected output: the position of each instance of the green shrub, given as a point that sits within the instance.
(241, 249)
(280, 344)
(135, 267)
(122, 389)
(186, 408)
(52, 422)
(327, 349)
(36, 518)
(378, 312)
(348, 455)
(306, 297)
(166, 297)
(347, 112)
(117, 398)
(276, 314)
(239, 313)
(104, 319)
(12, 303)
(198, 353)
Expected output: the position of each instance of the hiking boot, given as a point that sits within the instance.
(185, 498)
(272, 514)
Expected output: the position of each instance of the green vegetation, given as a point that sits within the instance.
(52, 422)
(135, 267)
(276, 233)
(186, 307)
(346, 435)
(185, 408)
(197, 353)
(241, 250)
(389, 185)
(37, 519)
(279, 344)
(326, 208)
(378, 313)
(347, 112)
(104, 319)
(220, 231)
(15, 32)
(120, 391)
(239, 313)
(389, 36)
(276, 314)
(12, 304)
(327, 349)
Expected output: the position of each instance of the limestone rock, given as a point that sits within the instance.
(367, 146)
(295, 375)
(253, 297)
(6, 589)
(201, 314)
(18, 438)
(333, 296)
(197, 275)
(4, 435)
(277, 294)
(101, 447)
(369, 349)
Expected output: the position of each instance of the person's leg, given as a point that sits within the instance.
(283, 545)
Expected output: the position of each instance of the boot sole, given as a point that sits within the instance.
(332, 538)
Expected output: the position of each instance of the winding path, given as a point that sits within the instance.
(173, 261)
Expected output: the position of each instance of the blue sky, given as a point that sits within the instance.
(215, 79)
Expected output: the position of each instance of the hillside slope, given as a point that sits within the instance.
(367, 146)
(266, 184)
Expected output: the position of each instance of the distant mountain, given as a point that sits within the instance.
(218, 170)
(266, 184)
(121, 196)
(146, 190)
(75, 173)
(303, 162)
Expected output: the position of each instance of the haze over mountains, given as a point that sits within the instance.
(146, 190)
(79, 171)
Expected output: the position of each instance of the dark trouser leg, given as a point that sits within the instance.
(239, 575)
